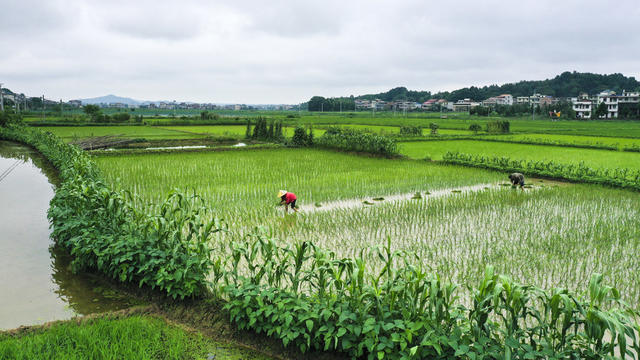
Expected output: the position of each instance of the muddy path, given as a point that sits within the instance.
(530, 184)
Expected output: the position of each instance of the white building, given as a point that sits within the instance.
(464, 105)
(629, 97)
(610, 99)
(504, 99)
(583, 106)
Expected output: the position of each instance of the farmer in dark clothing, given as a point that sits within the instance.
(517, 179)
(288, 199)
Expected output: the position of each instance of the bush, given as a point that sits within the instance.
(411, 131)
(121, 117)
(353, 140)
(498, 127)
(301, 138)
(475, 128)
(434, 128)
(7, 118)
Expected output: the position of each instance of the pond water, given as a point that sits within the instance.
(36, 282)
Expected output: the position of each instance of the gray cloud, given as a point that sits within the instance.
(287, 51)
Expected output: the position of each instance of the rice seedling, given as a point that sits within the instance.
(69, 133)
(455, 235)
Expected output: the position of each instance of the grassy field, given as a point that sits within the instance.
(135, 337)
(591, 157)
(69, 133)
(549, 230)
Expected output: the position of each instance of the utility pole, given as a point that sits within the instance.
(43, 115)
(1, 99)
(533, 106)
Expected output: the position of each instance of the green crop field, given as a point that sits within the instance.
(548, 230)
(591, 157)
(248, 181)
(376, 241)
(69, 133)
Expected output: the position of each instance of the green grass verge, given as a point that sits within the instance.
(135, 337)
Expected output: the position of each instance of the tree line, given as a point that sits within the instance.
(567, 84)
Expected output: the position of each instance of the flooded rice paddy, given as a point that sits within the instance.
(37, 284)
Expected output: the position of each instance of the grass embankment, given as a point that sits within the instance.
(595, 158)
(133, 337)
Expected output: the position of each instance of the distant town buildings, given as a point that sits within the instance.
(585, 106)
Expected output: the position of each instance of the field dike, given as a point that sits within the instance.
(532, 184)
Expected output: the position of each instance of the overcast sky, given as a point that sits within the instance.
(287, 51)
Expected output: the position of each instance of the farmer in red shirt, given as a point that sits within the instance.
(286, 199)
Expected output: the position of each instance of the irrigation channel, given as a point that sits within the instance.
(36, 282)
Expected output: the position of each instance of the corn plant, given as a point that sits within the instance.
(166, 247)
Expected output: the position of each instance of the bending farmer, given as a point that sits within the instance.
(517, 179)
(286, 199)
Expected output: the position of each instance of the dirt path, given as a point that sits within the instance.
(531, 184)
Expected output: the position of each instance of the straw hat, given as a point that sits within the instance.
(282, 193)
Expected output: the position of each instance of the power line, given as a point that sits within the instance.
(9, 170)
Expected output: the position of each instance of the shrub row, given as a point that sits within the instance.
(624, 178)
(353, 140)
(167, 246)
(310, 299)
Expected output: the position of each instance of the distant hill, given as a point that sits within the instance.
(567, 84)
(109, 99)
